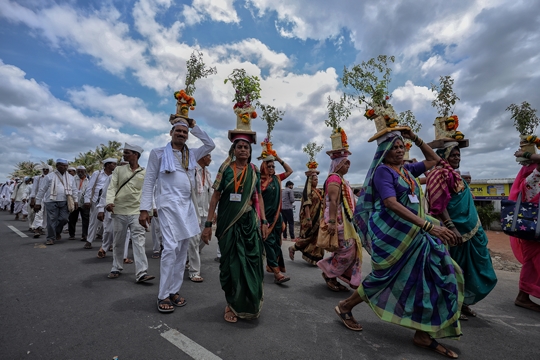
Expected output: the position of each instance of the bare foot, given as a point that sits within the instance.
(291, 252)
(229, 315)
(527, 304)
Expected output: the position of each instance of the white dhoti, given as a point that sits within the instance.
(18, 207)
(31, 215)
(107, 231)
(173, 265)
(156, 235)
(40, 218)
(194, 251)
(93, 223)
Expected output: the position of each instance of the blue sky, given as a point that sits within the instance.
(74, 74)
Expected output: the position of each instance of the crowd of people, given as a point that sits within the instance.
(429, 256)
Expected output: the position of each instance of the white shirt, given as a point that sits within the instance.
(18, 192)
(204, 190)
(95, 184)
(36, 184)
(103, 199)
(173, 191)
(44, 192)
(81, 188)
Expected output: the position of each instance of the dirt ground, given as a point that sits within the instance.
(498, 245)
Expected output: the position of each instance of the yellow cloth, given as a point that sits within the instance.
(128, 199)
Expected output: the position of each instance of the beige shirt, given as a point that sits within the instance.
(128, 199)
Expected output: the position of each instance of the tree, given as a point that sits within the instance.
(25, 168)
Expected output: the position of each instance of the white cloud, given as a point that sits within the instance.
(216, 10)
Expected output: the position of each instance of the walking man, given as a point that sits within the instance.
(39, 216)
(171, 171)
(56, 189)
(287, 206)
(81, 182)
(95, 189)
(123, 202)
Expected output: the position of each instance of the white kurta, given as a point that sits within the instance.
(178, 215)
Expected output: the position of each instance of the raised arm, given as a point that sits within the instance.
(288, 169)
(208, 144)
(432, 158)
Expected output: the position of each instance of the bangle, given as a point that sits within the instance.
(282, 162)
(264, 221)
(207, 224)
(527, 155)
(421, 142)
(427, 227)
(332, 221)
(415, 138)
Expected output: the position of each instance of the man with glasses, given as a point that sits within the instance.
(123, 202)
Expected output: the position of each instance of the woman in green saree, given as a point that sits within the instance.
(241, 229)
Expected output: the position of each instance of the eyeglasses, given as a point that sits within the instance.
(271, 166)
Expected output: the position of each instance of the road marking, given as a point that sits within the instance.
(534, 325)
(17, 231)
(188, 346)
(500, 316)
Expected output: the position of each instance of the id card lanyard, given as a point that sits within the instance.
(412, 196)
(238, 182)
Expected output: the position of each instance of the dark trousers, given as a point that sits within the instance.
(72, 221)
(288, 219)
(57, 217)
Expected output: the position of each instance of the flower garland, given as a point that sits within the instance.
(184, 102)
(340, 131)
(312, 165)
(533, 140)
(267, 149)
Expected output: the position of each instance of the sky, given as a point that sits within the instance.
(75, 74)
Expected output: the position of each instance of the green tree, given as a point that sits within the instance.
(25, 168)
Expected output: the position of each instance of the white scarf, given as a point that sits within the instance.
(64, 180)
(167, 161)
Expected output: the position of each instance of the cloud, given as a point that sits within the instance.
(216, 10)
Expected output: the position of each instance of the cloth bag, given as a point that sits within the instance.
(70, 203)
(520, 219)
(326, 241)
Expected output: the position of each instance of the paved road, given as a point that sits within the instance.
(57, 303)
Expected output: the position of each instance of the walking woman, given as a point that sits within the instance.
(241, 229)
(345, 263)
(414, 282)
(527, 184)
(451, 201)
(310, 211)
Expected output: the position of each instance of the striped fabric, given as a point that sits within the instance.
(441, 183)
(414, 281)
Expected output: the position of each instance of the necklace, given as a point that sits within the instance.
(405, 177)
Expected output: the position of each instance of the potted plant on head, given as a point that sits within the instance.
(271, 115)
(446, 124)
(407, 118)
(196, 69)
(338, 111)
(312, 149)
(526, 122)
(369, 85)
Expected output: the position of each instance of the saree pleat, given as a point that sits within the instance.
(272, 206)
(473, 255)
(309, 230)
(240, 243)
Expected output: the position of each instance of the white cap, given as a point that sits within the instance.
(108, 160)
(133, 148)
(81, 167)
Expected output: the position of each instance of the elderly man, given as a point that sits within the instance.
(81, 182)
(171, 178)
(39, 216)
(123, 202)
(94, 191)
(72, 171)
(204, 193)
(55, 191)
(17, 198)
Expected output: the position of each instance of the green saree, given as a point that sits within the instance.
(272, 208)
(240, 243)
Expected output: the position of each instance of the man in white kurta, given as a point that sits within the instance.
(81, 182)
(40, 217)
(204, 193)
(17, 197)
(171, 171)
(28, 210)
(56, 188)
(94, 192)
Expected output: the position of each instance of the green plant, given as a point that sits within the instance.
(312, 149)
(196, 70)
(338, 111)
(25, 168)
(487, 215)
(271, 115)
(525, 119)
(446, 98)
(247, 88)
(369, 81)
(407, 118)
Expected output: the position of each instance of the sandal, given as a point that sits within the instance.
(145, 278)
(463, 317)
(113, 274)
(166, 302)
(156, 255)
(177, 300)
(196, 278)
(465, 309)
(332, 285)
(231, 318)
(434, 345)
(49, 242)
(88, 245)
(128, 261)
(347, 316)
(292, 250)
(101, 253)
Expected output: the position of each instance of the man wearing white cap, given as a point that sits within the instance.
(94, 191)
(171, 171)
(17, 198)
(123, 201)
(57, 189)
(26, 198)
(81, 182)
(39, 216)
(72, 171)
(7, 190)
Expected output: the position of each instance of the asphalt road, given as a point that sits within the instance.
(57, 303)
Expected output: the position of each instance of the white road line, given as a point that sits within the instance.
(534, 325)
(188, 346)
(17, 231)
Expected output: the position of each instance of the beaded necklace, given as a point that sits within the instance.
(405, 177)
